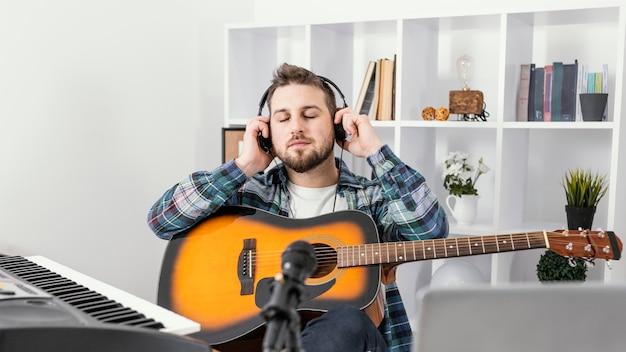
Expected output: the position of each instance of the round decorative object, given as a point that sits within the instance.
(442, 113)
(428, 113)
(456, 272)
(554, 267)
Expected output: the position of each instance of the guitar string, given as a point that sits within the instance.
(327, 256)
(461, 243)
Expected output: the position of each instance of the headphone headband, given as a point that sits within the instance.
(324, 80)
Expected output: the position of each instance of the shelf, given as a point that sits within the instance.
(581, 125)
(527, 159)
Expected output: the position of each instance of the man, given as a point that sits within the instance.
(310, 181)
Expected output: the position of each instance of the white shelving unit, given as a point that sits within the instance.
(522, 192)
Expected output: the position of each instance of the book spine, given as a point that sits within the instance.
(591, 82)
(605, 89)
(385, 97)
(557, 91)
(547, 93)
(523, 93)
(364, 103)
(375, 98)
(605, 78)
(393, 87)
(582, 88)
(539, 77)
(569, 92)
(598, 87)
(530, 114)
(363, 92)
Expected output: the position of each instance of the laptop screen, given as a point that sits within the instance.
(522, 317)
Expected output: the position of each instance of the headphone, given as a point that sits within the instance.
(340, 133)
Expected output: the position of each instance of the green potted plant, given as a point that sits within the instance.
(553, 267)
(583, 192)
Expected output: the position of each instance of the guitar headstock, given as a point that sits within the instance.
(585, 244)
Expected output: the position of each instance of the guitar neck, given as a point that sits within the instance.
(410, 251)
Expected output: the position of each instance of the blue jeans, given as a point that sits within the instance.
(342, 329)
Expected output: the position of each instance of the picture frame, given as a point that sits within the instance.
(231, 139)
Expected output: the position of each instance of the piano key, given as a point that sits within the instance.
(100, 301)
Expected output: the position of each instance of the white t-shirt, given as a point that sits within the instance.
(309, 202)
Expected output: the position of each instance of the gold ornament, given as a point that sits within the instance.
(442, 113)
(428, 113)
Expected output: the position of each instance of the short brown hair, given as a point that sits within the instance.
(287, 74)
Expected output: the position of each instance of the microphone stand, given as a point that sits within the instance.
(283, 320)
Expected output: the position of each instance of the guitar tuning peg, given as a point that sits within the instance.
(572, 262)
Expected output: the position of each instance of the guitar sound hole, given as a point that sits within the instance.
(326, 259)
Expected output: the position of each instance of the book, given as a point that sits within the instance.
(538, 86)
(531, 93)
(591, 82)
(385, 94)
(523, 93)
(393, 88)
(374, 109)
(557, 91)
(605, 78)
(547, 93)
(605, 88)
(598, 85)
(582, 88)
(569, 92)
(364, 101)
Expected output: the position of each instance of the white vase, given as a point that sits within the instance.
(464, 209)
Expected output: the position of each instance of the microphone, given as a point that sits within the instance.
(287, 290)
(298, 261)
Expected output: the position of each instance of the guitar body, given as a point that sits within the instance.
(210, 273)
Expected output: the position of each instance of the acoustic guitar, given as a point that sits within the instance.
(211, 273)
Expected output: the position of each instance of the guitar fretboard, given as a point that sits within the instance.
(409, 251)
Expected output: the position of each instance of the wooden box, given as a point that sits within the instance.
(466, 102)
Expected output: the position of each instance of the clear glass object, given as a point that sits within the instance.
(464, 70)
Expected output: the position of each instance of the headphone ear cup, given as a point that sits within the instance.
(340, 133)
(265, 143)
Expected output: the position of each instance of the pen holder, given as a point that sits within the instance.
(593, 105)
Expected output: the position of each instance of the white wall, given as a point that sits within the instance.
(103, 105)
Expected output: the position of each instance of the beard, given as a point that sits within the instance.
(304, 160)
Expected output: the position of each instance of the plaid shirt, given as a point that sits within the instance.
(398, 199)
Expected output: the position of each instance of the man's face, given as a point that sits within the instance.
(301, 127)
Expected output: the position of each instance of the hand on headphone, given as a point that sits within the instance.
(252, 158)
(362, 139)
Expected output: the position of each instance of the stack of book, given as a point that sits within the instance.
(377, 96)
(551, 93)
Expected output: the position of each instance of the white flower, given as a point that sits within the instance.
(457, 174)
(482, 167)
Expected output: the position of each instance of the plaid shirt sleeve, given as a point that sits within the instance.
(194, 198)
(407, 210)
(410, 211)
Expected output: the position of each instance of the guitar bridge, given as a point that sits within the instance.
(245, 266)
